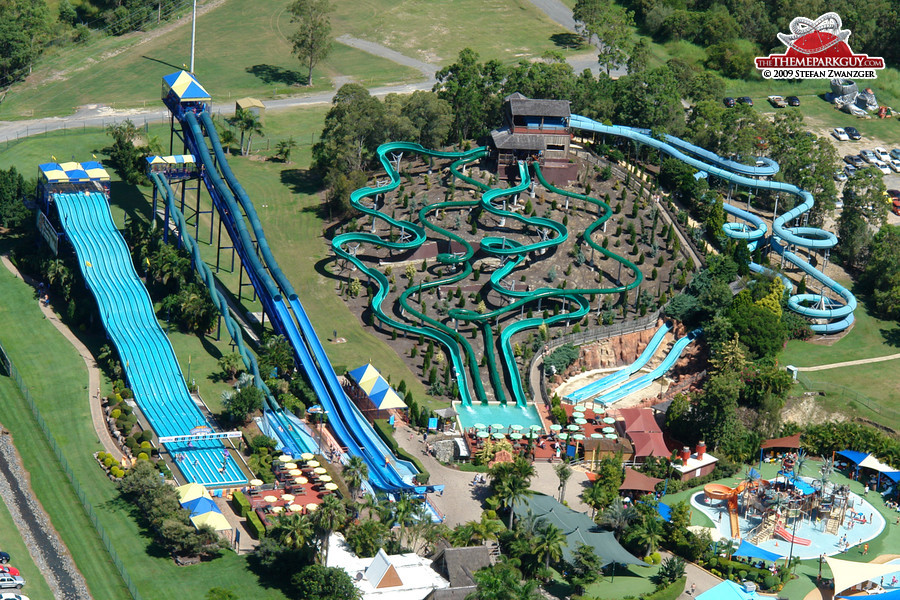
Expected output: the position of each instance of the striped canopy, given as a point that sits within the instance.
(73, 172)
(376, 388)
(185, 86)
(170, 160)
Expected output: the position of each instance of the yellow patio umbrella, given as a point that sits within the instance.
(290, 465)
(285, 458)
(277, 509)
(287, 497)
(320, 471)
(325, 478)
(301, 480)
(295, 507)
(256, 482)
(295, 472)
(216, 520)
(331, 486)
(307, 456)
(312, 463)
(270, 499)
(312, 507)
(191, 491)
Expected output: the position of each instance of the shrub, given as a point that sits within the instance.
(241, 503)
(255, 526)
(115, 414)
(143, 456)
(108, 462)
(146, 436)
(116, 472)
(769, 582)
(145, 445)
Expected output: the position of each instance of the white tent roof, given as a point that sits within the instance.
(871, 462)
(848, 573)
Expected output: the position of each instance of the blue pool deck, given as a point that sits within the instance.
(494, 413)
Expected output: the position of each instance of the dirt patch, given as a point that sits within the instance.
(805, 410)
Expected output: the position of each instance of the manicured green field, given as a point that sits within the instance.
(10, 540)
(242, 49)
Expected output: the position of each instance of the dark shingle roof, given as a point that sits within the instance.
(458, 565)
(539, 108)
(451, 593)
(504, 140)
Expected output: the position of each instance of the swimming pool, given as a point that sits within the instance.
(811, 529)
(497, 413)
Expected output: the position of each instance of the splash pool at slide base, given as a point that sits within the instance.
(497, 413)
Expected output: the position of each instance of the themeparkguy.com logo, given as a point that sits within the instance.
(818, 50)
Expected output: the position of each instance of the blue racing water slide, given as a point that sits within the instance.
(814, 306)
(595, 388)
(127, 313)
(352, 429)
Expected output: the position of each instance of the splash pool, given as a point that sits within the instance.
(497, 413)
(813, 530)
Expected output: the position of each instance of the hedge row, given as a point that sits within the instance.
(255, 525)
(386, 432)
(241, 503)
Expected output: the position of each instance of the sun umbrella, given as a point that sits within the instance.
(287, 497)
(256, 482)
(331, 486)
(596, 436)
(498, 426)
(319, 471)
(301, 480)
(556, 427)
(270, 499)
(578, 436)
(483, 434)
(535, 427)
(611, 436)
(290, 465)
(277, 509)
(295, 472)
(609, 430)
(308, 456)
(312, 463)
(580, 421)
(214, 519)
(609, 420)
(325, 478)
(191, 491)
(285, 458)
(564, 436)
(577, 415)
(312, 506)
(499, 436)
(295, 507)
(573, 428)
(533, 435)
(516, 427)
(516, 435)
(479, 426)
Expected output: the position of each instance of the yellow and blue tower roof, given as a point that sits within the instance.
(185, 86)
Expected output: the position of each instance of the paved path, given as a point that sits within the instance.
(97, 416)
(850, 363)
(702, 580)
(427, 69)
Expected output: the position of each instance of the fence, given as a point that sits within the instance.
(592, 335)
(842, 394)
(88, 508)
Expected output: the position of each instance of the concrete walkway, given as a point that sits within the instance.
(702, 580)
(850, 363)
(427, 69)
(97, 416)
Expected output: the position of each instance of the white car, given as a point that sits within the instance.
(11, 596)
(882, 154)
(894, 164)
(11, 581)
(868, 156)
(839, 175)
(839, 204)
(881, 166)
(840, 135)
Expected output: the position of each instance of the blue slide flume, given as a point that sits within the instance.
(146, 353)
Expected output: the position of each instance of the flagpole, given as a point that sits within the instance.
(193, 34)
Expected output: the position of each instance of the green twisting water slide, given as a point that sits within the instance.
(512, 252)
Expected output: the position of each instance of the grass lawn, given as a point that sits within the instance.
(38, 349)
(10, 540)
(232, 61)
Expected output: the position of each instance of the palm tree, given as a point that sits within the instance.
(549, 544)
(563, 472)
(617, 517)
(649, 534)
(355, 472)
(227, 139)
(512, 489)
(594, 496)
(331, 515)
(503, 581)
(404, 510)
(284, 148)
(825, 474)
(292, 530)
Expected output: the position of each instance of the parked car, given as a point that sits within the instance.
(839, 175)
(853, 132)
(12, 596)
(729, 102)
(11, 581)
(4, 558)
(850, 170)
(895, 194)
(895, 153)
(840, 135)
(777, 101)
(6, 569)
(839, 204)
(855, 160)
(894, 164)
(746, 100)
(793, 101)
(868, 156)
(881, 166)
(882, 154)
